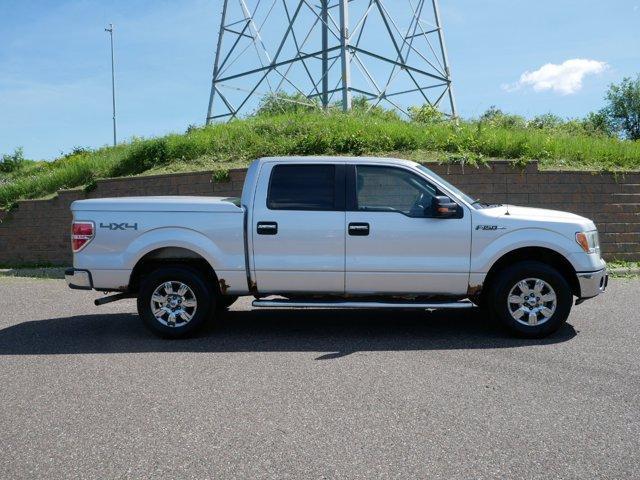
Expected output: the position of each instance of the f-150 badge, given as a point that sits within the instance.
(489, 227)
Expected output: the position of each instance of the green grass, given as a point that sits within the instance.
(622, 268)
(235, 144)
(615, 264)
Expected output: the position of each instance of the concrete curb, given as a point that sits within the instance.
(48, 272)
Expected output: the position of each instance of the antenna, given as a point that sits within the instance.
(322, 53)
(113, 82)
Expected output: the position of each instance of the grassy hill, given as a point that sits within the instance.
(219, 147)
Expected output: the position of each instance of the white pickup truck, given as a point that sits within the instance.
(327, 232)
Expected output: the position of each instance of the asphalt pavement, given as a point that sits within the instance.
(86, 392)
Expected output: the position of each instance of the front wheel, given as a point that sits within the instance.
(175, 301)
(532, 299)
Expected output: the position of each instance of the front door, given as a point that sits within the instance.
(298, 228)
(394, 244)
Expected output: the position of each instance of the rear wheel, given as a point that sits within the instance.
(175, 301)
(532, 299)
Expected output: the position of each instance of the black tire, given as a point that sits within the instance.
(484, 309)
(225, 301)
(508, 278)
(199, 288)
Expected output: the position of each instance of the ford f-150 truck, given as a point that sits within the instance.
(336, 232)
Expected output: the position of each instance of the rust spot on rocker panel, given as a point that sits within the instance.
(223, 286)
(474, 290)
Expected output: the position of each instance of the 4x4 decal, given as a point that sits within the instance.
(119, 226)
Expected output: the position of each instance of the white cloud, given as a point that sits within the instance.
(565, 78)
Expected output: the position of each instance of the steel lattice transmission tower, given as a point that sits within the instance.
(392, 52)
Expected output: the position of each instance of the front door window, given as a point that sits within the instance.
(388, 189)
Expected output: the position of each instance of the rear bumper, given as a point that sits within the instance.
(78, 279)
(592, 283)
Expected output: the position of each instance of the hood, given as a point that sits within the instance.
(530, 212)
(530, 215)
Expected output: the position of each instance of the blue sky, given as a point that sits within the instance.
(55, 73)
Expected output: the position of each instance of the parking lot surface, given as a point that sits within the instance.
(87, 392)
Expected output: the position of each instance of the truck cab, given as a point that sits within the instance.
(337, 232)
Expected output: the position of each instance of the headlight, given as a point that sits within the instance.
(589, 241)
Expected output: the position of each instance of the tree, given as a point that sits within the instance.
(623, 109)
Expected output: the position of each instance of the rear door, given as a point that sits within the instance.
(394, 245)
(298, 228)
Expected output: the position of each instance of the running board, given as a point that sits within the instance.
(338, 304)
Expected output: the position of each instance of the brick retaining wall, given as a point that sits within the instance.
(38, 230)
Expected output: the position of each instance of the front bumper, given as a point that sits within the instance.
(78, 279)
(592, 283)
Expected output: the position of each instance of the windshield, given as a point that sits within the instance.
(447, 185)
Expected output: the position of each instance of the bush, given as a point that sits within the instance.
(497, 118)
(597, 123)
(141, 156)
(12, 162)
(547, 120)
(77, 151)
(361, 105)
(281, 102)
(425, 114)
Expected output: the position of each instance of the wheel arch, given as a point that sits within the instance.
(171, 256)
(541, 254)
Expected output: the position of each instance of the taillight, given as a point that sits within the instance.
(81, 234)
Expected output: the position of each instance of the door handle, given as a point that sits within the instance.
(267, 228)
(358, 229)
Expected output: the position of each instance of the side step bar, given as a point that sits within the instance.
(338, 304)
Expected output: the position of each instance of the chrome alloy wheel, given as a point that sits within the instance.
(532, 301)
(173, 304)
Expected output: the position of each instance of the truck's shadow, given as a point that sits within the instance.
(338, 333)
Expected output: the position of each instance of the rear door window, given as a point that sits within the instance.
(302, 187)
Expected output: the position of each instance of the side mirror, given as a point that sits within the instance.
(443, 207)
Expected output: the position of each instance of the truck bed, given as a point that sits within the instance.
(159, 204)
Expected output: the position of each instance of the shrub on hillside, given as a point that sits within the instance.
(597, 123)
(497, 118)
(593, 124)
(141, 156)
(547, 120)
(12, 162)
(362, 105)
(77, 151)
(282, 102)
(425, 114)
